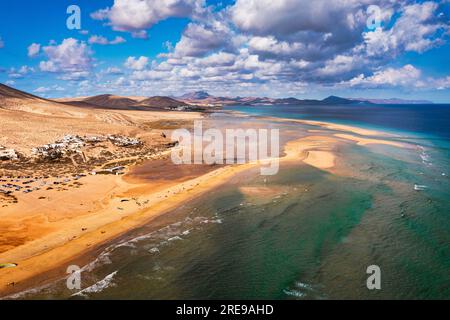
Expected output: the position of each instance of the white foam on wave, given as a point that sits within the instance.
(418, 187)
(102, 258)
(218, 221)
(165, 233)
(425, 157)
(28, 292)
(302, 285)
(154, 250)
(301, 290)
(126, 245)
(294, 293)
(101, 285)
(163, 236)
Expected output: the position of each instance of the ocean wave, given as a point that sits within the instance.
(294, 293)
(419, 187)
(300, 290)
(174, 238)
(154, 250)
(157, 239)
(99, 286)
(302, 285)
(425, 156)
(102, 259)
(126, 244)
(28, 292)
(218, 221)
(165, 233)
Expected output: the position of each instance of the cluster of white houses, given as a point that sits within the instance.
(68, 146)
(8, 154)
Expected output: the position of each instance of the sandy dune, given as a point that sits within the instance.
(320, 159)
(366, 141)
(316, 151)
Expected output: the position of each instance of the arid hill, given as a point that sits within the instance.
(28, 121)
(197, 95)
(11, 98)
(11, 93)
(17, 100)
(108, 101)
(161, 102)
(111, 101)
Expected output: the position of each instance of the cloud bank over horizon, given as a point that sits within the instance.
(246, 47)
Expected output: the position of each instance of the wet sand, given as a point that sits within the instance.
(366, 141)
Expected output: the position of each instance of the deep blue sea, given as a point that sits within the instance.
(431, 119)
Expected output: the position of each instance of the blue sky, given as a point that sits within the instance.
(305, 49)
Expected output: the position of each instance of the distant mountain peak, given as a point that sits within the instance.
(338, 100)
(197, 95)
(393, 101)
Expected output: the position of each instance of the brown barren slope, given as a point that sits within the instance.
(161, 102)
(29, 121)
(108, 101)
(111, 101)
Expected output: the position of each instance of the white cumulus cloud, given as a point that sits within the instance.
(34, 49)
(407, 75)
(417, 29)
(72, 58)
(136, 63)
(94, 39)
(138, 15)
